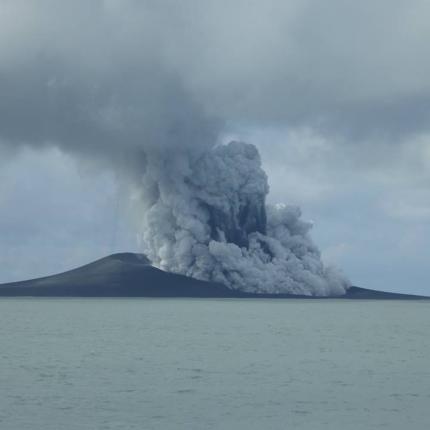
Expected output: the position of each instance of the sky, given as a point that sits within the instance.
(335, 95)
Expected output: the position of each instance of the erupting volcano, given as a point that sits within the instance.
(207, 218)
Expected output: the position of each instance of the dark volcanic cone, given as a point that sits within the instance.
(131, 275)
(119, 275)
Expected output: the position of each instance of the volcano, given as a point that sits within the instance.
(132, 275)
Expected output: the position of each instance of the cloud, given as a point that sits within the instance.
(103, 73)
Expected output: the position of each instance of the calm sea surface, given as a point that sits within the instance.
(213, 364)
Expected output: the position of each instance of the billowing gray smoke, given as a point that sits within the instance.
(146, 88)
(206, 217)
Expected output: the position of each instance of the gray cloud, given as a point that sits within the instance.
(104, 73)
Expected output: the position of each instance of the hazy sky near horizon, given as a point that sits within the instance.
(336, 95)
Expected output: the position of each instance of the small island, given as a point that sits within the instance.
(132, 275)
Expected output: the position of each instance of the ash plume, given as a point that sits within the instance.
(146, 88)
(207, 218)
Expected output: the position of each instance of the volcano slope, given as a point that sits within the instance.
(131, 275)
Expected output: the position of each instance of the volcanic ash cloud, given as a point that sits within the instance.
(205, 216)
(146, 90)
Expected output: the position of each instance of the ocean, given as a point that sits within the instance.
(214, 364)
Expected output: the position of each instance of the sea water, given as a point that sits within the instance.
(214, 364)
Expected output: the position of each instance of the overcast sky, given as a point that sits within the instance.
(336, 95)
